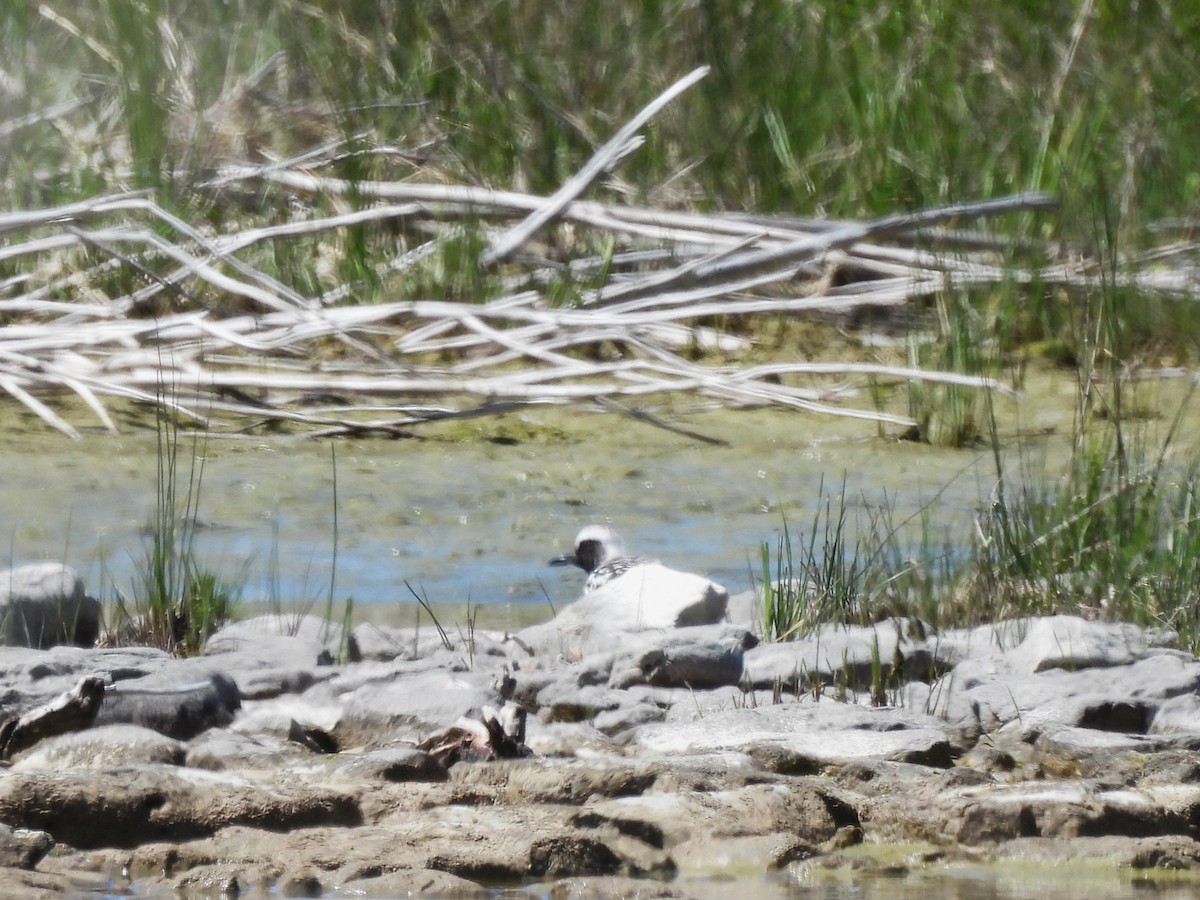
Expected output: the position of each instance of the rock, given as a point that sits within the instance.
(395, 764)
(385, 643)
(559, 781)
(307, 639)
(568, 739)
(103, 747)
(670, 820)
(1089, 750)
(626, 718)
(225, 749)
(417, 705)
(43, 886)
(306, 883)
(123, 807)
(43, 604)
(1177, 715)
(29, 677)
(563, 701)
(415, 883)
(820, 733)
(695, 658)
(743, 855)
(1072, 643)
(316, 708)
(72, 711)
(744, 609)
(842, 655)
(987, 813)
(221, 880)
(21, 848)
(1173, 852)
(992, 690)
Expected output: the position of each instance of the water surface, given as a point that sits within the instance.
(474, 514)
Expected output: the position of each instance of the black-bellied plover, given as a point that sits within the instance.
(638, 593)
(600, 552)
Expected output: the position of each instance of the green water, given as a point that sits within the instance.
(473, 514)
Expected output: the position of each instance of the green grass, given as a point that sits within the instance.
(1113, 535)
(177, 601)
(844, 108)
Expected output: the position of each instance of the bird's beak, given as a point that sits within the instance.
(563, 561)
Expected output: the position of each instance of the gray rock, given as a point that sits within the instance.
(32, 885)
(221, 880)
(822, 732)
(221, 749)
(21, 848)
(1033, 645)
(30, 678)
(1177, 715)
(608, 887)
(124, 807)
(1078, 744)
(626, 718)
(299, 639)
(670, 820)
(43, 604)
(102, 747)
(988, 813)
(1094, 739)
(385, 643)
(1072, 643)
(563, 701)
(846, 655)
(744, 609)
(474, 842)
(695, 658)
(390, 764)
(731, 856)
(414, 705)
(275, 718)
(559, 781)
(1175, 853)
(414, 883)
(568, 739)
(1120, 697)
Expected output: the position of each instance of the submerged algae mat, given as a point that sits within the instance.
(471, 513)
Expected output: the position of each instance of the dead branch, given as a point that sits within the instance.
(210, 334)
(73, 711)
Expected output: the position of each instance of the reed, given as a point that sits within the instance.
(177, 601)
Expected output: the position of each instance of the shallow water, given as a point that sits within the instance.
(476, 518)
(458, 521)
(1094, 881)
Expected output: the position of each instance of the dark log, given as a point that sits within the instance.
(177, 711)
(73, 711)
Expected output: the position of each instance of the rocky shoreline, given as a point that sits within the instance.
(656, 761)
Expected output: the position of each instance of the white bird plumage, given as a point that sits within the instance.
(601, 553)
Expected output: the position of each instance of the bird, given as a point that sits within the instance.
(600, 552)
(638, 593)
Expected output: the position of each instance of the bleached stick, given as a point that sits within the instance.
(616, 146)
